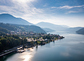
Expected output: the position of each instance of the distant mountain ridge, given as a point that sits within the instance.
(26, 26)
(7, 18)
(52, 26)
(80, 31)
(58, 28)
(73, 29)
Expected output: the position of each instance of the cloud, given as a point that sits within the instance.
(28, 11)
(72, 12)
(54, 7)
(68, 7)
(24, 1)
(20, 8)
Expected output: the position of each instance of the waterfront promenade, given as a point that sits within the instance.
(9, 51)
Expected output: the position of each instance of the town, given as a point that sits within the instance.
(19, 42)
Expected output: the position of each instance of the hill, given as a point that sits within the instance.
(80, 31)
(52, 26)
(8, 27)
(73, 29)
(3, 31)
(7, 18)
(22, 28)
(58, 28)
(48, 30)
(30, 28)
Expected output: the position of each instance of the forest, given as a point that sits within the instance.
(10, 41)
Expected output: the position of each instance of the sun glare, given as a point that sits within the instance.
(26, 56)
(24, 1)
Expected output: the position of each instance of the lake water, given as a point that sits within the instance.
(71, 48)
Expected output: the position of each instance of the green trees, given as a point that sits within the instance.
(10, 41)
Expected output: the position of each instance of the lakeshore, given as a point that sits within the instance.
(42, 39)
(68, 49)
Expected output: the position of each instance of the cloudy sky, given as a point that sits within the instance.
(60, 12)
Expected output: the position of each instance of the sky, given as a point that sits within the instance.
(59, 12)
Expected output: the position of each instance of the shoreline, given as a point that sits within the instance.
(42, 40)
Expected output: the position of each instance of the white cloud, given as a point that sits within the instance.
(24, 1)
(71, 9)
(68, 7)
(26, 10)
(21, 8)
(54, 7)
(72, 12)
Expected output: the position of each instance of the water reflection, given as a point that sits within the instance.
(36, 47)
(71, 48)
(25, 56)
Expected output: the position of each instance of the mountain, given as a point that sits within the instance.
(73, 29)
(22, 28)
(8, 27)
(30, 28)
(58, 28)
(48, 30)
(52, 26)
(80, 31)
(3, 31)
(12, 23)
(7, 18)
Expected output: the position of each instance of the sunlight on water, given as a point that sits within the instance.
(26, 56)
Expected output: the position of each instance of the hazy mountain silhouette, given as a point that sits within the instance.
(7, 18)
(73, 29)
(63, 28)
(80, 31)
(52, 26)
(48, 30)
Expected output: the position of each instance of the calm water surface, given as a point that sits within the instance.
(71, 48)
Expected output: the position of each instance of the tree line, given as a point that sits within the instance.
(10, 41)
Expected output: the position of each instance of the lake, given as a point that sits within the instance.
(71, 48)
